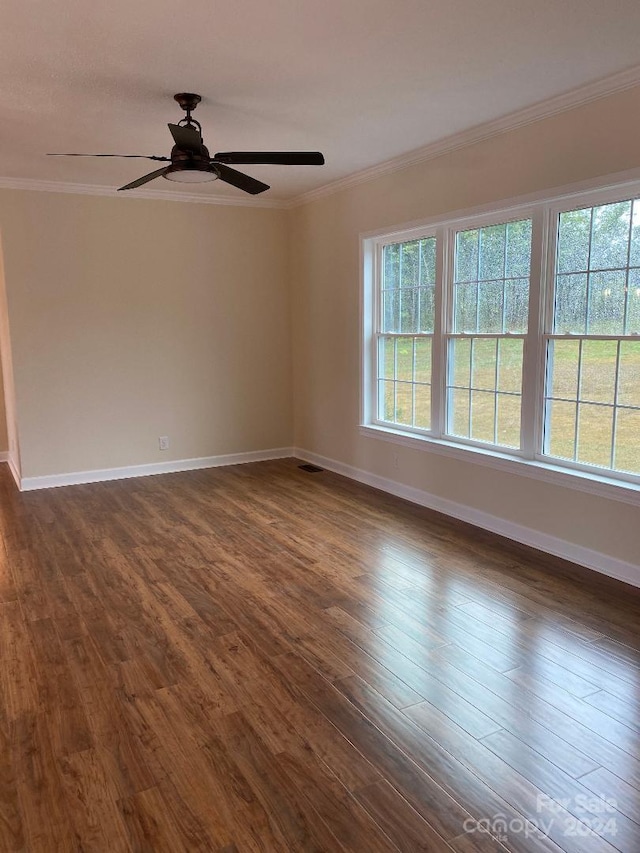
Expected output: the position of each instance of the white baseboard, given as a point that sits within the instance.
(27, 484)
(595, 560)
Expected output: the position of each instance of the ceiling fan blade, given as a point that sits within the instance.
(144, 179)
(186, 137)
(282, 158)
(129, 156)
(240, 180)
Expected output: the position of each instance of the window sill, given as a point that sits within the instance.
(572, 479)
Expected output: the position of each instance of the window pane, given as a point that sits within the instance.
(629, 377)
(516, 307)
(386, 358)
(564, 359)
(391, 311)
(571, 305)
(461, 355)
(427, 309)
(634, 255)
(404, 403)
(491, 289)
(391, 265)
(573, 240)
(594, 434)
(598, 371)
(610, 235)
(627, 455)
(466, 296)
(509, 420)
(409, 264)
(518, 249)
(467, 255)
(482, 416)
(490, 307)
(423, 360)
(404, 359)
(423, 406)
(561, 426)
(459, 412)
(607, 294)
(492, 252)
(409, 310)
(483, 364)
(510, 366)
(387, 407)
(633, 303)
(428, 253)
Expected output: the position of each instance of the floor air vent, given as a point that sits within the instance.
(310, 469)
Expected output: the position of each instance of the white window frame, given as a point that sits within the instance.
(529, 458)
(376, 308)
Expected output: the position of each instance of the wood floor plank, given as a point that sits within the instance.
(599, 722)
(99, 688)
(297, 826)
(594, 812)
(264, 691)
(18, 688)
(42, 800)
(445, 814)
(615, 791)
(11, 834)
(401, 822)
(587, 744)
(421, 678)
(154, 825)
(92, 803)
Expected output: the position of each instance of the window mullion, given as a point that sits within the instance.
(534, 355)
(440, 327)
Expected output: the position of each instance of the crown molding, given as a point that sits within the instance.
(543, 109)
(152, 195)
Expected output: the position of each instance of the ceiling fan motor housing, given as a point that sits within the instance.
(191, 161)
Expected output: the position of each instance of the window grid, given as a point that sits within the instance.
(420, 399)
(577, 401)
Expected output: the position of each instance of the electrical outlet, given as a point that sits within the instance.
(163, 442)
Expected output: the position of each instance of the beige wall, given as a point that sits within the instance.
(132, 319)
(594, 140)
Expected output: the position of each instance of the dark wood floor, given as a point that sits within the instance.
(257, 658)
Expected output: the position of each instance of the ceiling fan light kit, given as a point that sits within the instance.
(191, 163)
(187, 174)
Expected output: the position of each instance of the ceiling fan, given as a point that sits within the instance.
(190, 161)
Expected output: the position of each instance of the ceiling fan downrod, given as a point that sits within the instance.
(188, 102)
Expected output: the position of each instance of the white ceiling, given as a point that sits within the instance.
(361, 80)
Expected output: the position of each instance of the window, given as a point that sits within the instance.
(592, 396)
(489, 323)
(515, 333)
(404, 344)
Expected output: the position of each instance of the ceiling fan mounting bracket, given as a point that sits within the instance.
(187, 100)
